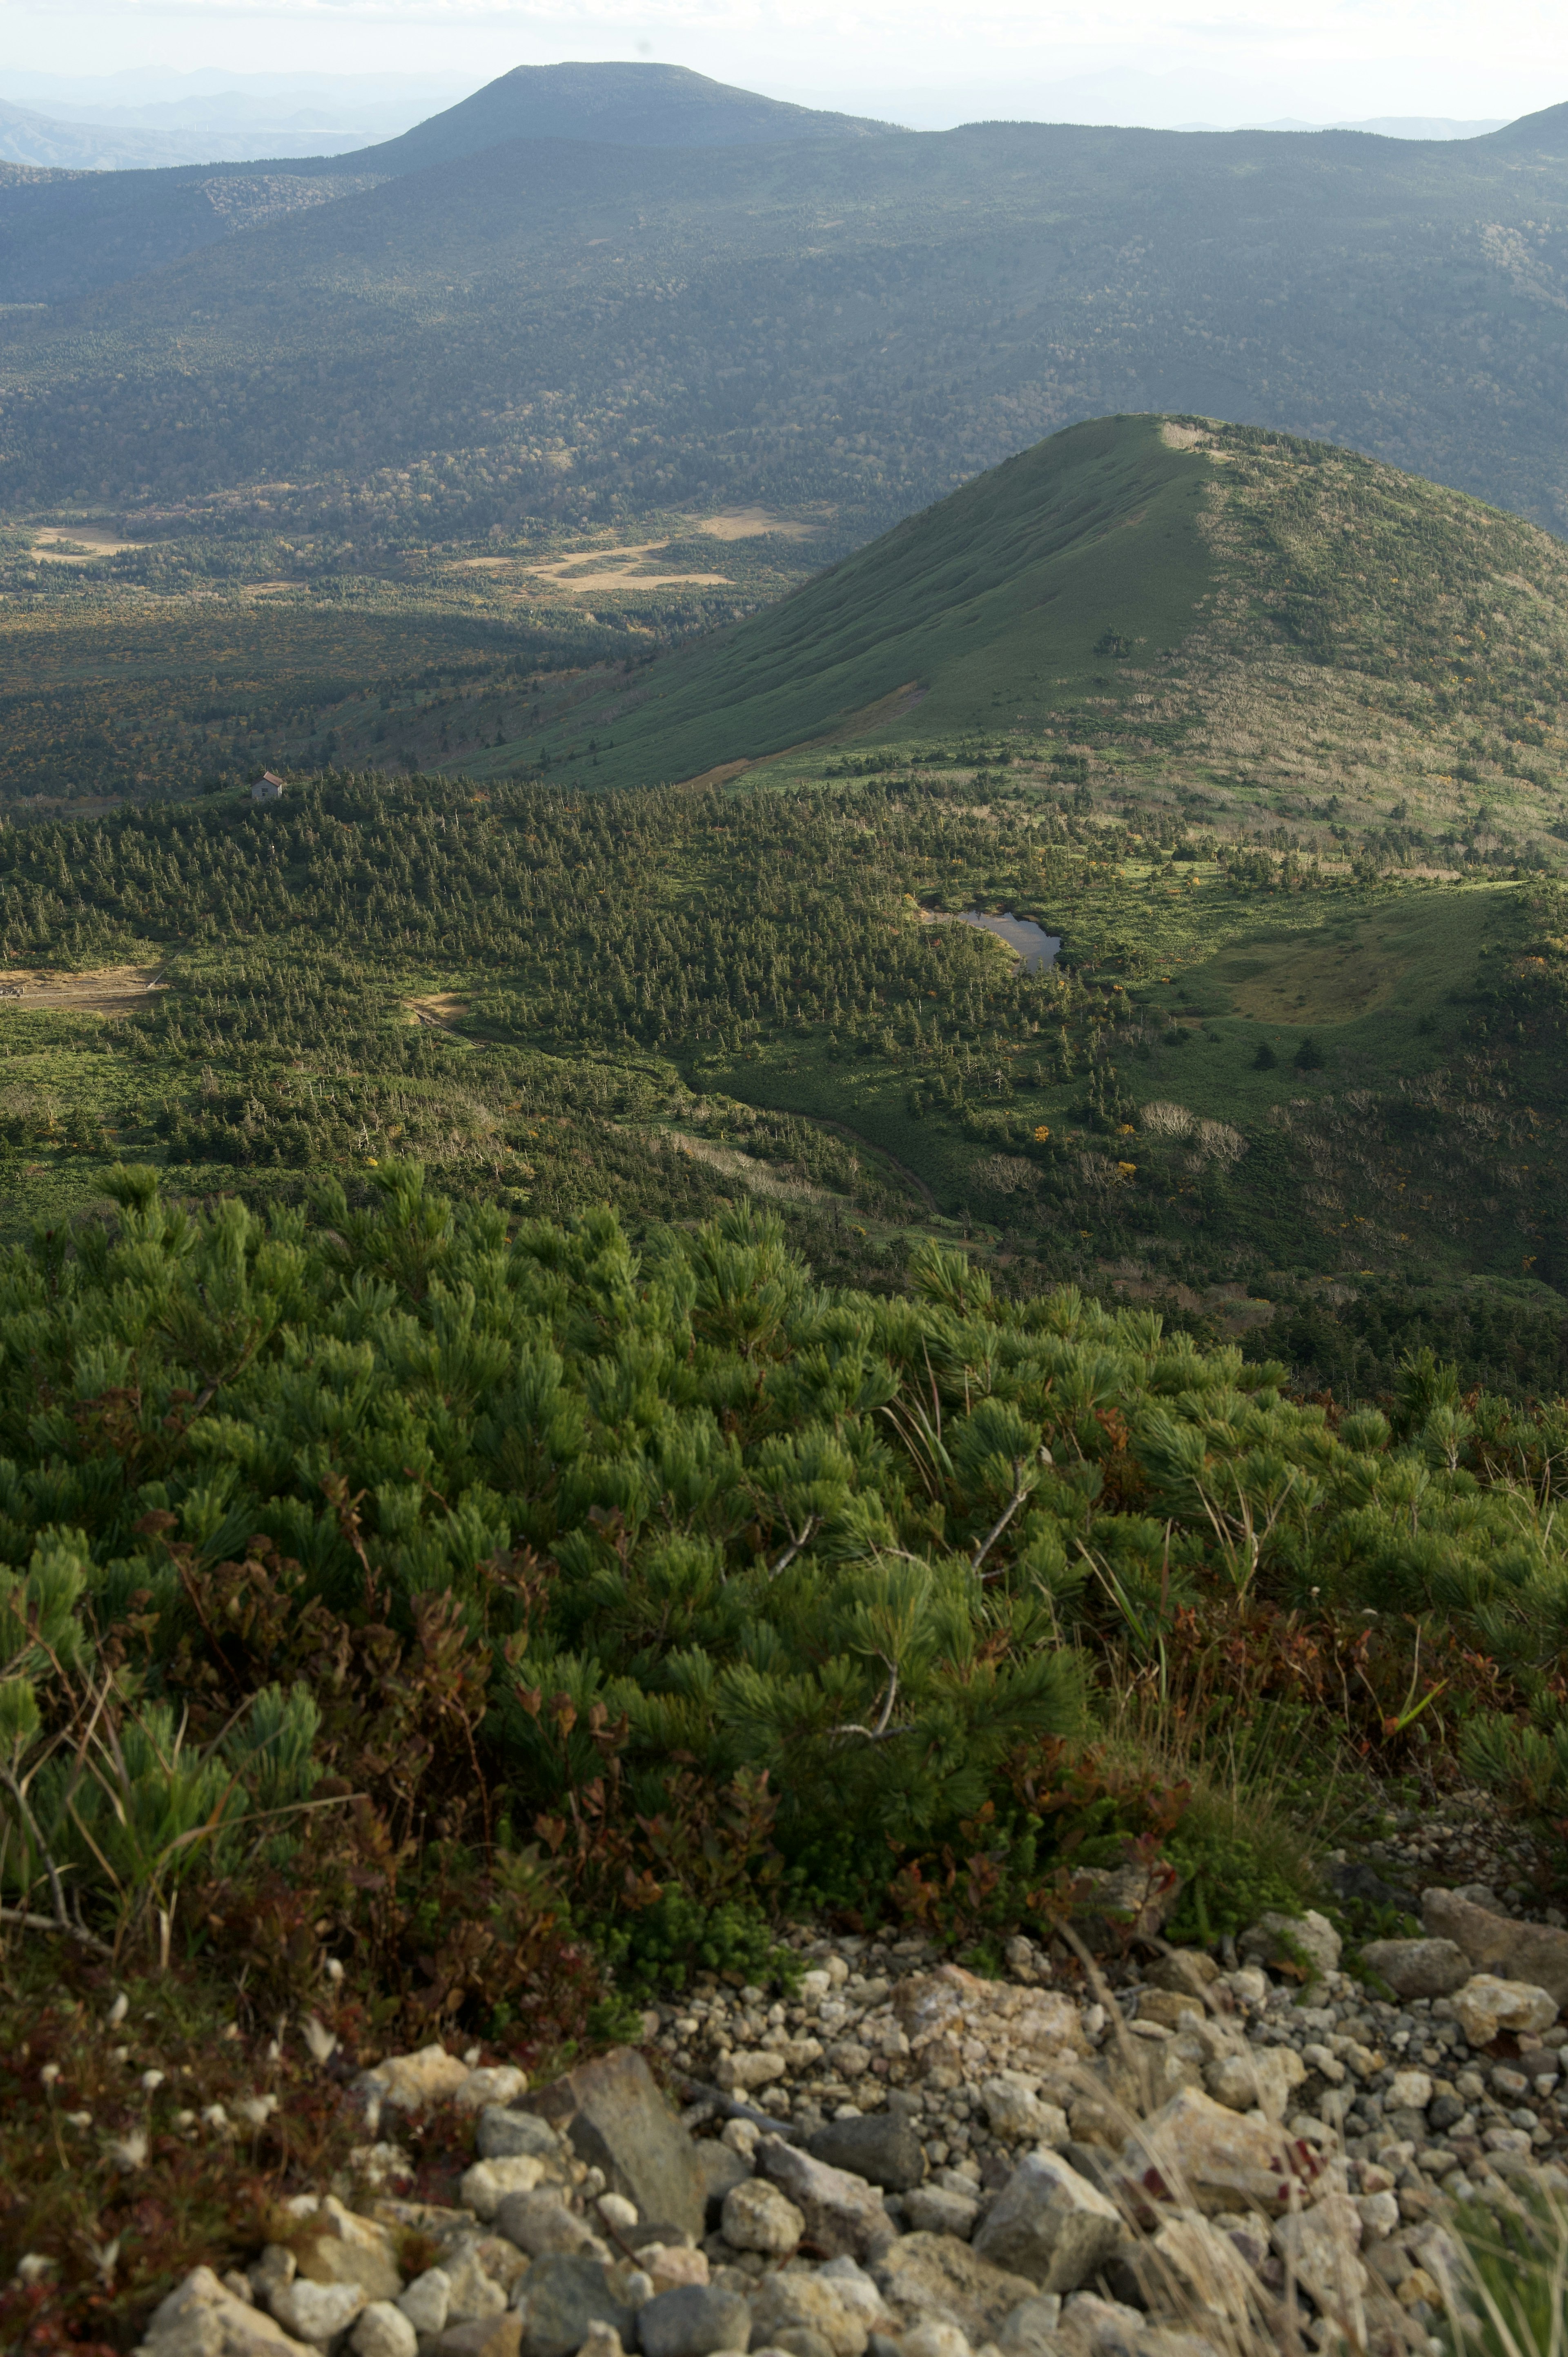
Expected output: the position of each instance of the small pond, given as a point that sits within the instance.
(1037, 949)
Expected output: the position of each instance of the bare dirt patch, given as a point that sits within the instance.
(750, 524)
(110, 990)
(1182, 437)
(442, 1008)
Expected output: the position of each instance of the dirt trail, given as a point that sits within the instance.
(109, 990)
(880, 714)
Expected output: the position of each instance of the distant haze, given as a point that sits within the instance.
(1116, 61)
(149, 116)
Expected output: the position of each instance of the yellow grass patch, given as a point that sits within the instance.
(78, 544)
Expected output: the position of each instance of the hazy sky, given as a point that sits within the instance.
(1339, 58)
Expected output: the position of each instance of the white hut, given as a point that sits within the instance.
(267, 789)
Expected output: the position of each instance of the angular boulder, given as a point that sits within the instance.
(339, 2247)
(1262, 2078)
(1536, 1952)
(383, 2330)
(201, 2318)
(486, 2186)
(1201, 2154)
(1487, 2005)
(843, 2215)
(1419, 1967)
(1320, 2247)
(1306, 1944)
(507, 2134)
(937, 2275)
(807, 2303)
(880, 2147)
(315, 2312)
(1050, 2225)
(1205, 2272)
(612, 2114)
(697, 2321)
(540, 2224)
(960, 2027)
(562, 2298)
(758, 2217)
(412, 2082)
(1014, 2108)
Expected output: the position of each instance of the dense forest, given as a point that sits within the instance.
(589, 331)
(660, 998)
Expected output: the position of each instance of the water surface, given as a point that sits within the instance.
(1037, 949)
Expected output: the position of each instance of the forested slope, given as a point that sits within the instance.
(593, 329)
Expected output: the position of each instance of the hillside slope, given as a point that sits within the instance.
(1210, 604)
(596, 331)
(640, 105)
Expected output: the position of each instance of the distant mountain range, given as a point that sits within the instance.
(133, 121)
(589, 291)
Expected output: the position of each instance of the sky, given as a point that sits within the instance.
(912, 61)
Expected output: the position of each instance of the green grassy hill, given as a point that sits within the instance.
(1273, 625)
(990, 604)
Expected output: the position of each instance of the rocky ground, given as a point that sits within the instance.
(904, 2160)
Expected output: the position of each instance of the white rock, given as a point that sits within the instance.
(316, 2312)
(1198, 2152)
(486, 2186)
(1208, 2270)
(785, 2301)
(856, 2290)
(1307, 1941)
(746, 2070)
(1409, 2091)
(1260, 2080)
(382, 2330)
(1050, 2225)
(1485, 2005)
(1378, 2214)
(758, 2217)
(340, 2247)
(410, 2083)
(617, 2212)
(276, 2267)
(670, 2266)
(1014, 2108)
(471, 2295)
(200, 2319)
(427, 2299)
(498, 2082)
(933, 2339)
(1320, 2246)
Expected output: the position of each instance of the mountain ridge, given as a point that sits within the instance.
(632, 105)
